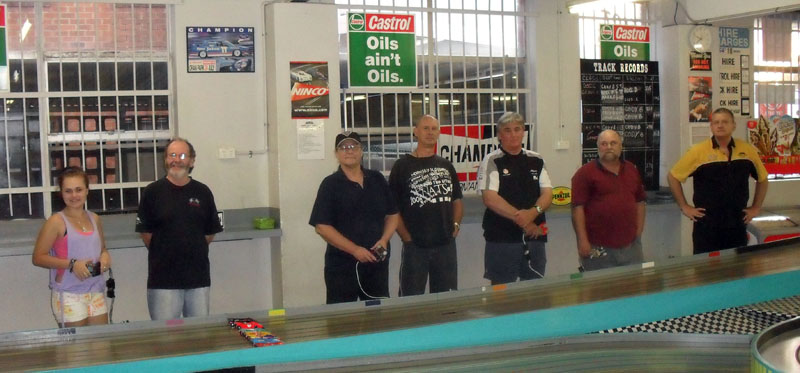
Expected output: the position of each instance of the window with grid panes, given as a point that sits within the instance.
(89, 88)
(621, 13)
(776, 50)
(471, 68)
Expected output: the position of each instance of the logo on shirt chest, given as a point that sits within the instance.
(534, 174)
(194, 202)
(430, 185)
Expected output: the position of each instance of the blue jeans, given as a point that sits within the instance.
(169, 304)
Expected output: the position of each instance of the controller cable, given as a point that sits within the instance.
(110, 286)
(526, 252)
(358, 279)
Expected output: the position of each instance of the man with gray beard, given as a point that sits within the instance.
(177, 220)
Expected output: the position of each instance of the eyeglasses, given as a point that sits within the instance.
(176, 155)
(352, 147)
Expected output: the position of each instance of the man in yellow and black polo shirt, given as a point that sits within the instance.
(720, 167)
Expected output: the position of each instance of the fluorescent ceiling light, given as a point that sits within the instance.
(771, 218)
(355, 98)
(25, 28)
(583, 6)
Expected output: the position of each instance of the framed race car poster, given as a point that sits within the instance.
(211, 49)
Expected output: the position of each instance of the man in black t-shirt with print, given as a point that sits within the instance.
(177, 219)
(428, 195)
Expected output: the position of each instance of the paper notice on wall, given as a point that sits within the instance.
(310, 139)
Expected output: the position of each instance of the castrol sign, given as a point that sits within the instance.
(623, 42)
(382, 50)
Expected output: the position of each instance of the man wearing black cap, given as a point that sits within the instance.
(356, 215)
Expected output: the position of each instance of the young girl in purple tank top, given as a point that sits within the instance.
(69, 244)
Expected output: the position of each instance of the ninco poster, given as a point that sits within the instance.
(211, 49)
(309, 89)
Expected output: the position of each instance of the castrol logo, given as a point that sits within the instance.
(356, 21)
(303, 91)
(390, 23)
(632, 33)
(606, 32)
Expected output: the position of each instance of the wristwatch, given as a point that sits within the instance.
(72, 263)
(538, 209)
(458, 226)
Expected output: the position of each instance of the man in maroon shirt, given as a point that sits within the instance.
(608, 207)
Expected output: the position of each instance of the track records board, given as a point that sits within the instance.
(623, 96)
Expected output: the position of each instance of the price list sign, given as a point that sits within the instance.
(623, 96)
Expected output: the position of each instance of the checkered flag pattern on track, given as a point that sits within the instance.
(749, 319)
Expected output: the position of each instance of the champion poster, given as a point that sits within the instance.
(309, 89)
(220, 49)
(465, 145)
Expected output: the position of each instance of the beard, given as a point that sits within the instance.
(178, 172)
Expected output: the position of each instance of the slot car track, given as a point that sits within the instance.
(590, 353)
(468, 323)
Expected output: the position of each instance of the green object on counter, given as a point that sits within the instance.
(263, 223)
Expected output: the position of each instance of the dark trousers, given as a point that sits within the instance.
(506, 261)
(439, 263)
(707, 238)
(342, 285)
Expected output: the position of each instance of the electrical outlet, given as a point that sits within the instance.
(227, 153)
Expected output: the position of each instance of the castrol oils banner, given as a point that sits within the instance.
(382, 51)
(622, 42)
(466, 146)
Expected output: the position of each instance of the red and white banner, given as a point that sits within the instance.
(465, 145)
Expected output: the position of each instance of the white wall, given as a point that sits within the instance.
(224, 109)
(299, 32)
(555, 62)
